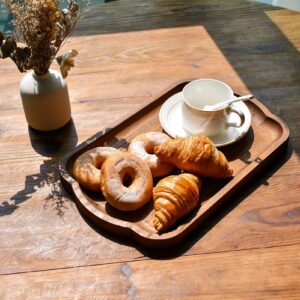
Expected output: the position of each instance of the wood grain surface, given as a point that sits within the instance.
(211, 276)
(130, 52)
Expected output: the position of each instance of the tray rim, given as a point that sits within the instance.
(132, 230)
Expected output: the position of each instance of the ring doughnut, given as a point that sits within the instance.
(131, 195)
(143, 147)
(86, 169)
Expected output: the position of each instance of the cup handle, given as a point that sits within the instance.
(231, 109)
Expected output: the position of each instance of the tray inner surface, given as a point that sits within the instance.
(263, 133)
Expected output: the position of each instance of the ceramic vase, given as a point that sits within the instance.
(45, 100)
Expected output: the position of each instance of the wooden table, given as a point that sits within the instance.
(130, 51)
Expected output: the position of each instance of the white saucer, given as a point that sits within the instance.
(171, 121)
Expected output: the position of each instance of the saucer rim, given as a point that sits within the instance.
(244, 129)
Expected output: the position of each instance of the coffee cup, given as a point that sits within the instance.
(197, 118)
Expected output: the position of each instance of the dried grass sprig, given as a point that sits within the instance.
(42, 26)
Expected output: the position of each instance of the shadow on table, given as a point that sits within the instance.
(54, 145)
(207, 225)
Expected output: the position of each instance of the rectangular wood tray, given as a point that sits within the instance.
(265, 138)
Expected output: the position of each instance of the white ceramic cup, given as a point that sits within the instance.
(196, 118)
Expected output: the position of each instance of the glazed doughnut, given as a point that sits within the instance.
(120, 194)
(143, 147)
(86, 169)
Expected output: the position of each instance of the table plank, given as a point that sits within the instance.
(270, 273)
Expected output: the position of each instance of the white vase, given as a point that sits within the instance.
(45, 100)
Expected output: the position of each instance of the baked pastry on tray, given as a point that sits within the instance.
(195, 154)
(174, 197)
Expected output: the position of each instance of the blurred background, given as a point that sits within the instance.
(6, 26)
(5, 16)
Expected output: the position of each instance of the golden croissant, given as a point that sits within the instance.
(195, 154)
(174, 197)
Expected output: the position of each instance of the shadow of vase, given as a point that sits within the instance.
(53, 145)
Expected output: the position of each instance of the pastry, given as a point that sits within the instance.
(195, 154)
(174, 197)
(87, 167)
(126, 181)
(143, 146)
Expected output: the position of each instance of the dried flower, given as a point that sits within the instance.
(66, 61)
(42, 27)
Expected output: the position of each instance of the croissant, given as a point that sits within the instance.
(195, 154)
(174, 197)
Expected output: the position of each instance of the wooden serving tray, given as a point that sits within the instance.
(264, 139)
